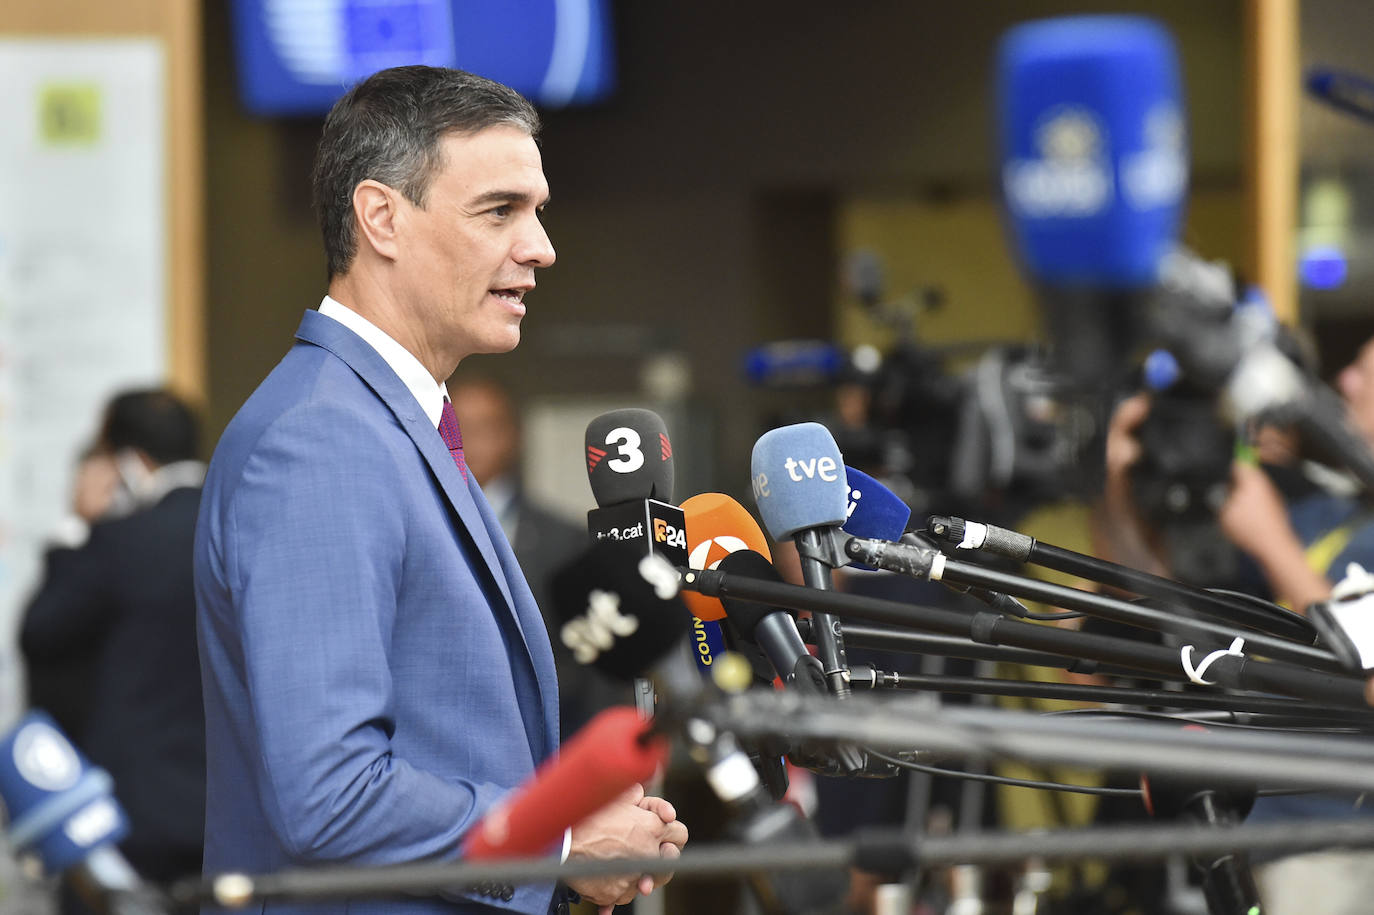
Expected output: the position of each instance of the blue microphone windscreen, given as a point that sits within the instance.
(59, 806)
(1094, 152)
(798, 479)
(875, 512)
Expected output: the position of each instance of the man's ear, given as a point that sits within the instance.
(375, 207)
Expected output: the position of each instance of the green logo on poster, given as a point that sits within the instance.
(69, 114)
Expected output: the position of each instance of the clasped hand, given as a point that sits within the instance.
(632, 826)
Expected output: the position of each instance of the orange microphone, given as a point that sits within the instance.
(717, 526)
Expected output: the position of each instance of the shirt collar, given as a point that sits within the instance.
(429, 394)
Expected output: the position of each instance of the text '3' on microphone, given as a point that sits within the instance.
(1094, 174)
(798, 478)
(629, 457)
(630, 469)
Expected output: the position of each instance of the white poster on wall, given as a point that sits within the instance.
(83, 242)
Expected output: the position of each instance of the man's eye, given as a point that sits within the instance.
(502, 211)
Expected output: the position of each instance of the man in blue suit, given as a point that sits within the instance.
(376, 672)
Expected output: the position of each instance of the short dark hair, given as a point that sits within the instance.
(388, 128)
(154, 421)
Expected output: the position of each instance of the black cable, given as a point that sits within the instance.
(1004, 780)
(1252, 599)
(1050, 617)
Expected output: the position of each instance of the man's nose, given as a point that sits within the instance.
(534, 247)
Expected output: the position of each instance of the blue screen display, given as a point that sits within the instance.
(296, 57)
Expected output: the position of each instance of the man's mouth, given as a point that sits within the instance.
(512, 296)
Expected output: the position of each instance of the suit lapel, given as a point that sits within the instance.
(372, 369)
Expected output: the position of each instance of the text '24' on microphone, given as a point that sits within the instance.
(622, 612)
(798, 479)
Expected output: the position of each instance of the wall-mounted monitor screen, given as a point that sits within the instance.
(296, 57)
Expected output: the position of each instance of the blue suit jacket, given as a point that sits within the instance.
(376, 672)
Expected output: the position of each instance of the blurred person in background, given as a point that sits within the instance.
(109, 637)
(1301, 537)
(542, 540)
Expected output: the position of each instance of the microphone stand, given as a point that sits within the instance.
(971, 536)
(864, 676)
(908, 641)
(929, 563)
(1229, 670)
(816, 562)
(1231, 755)
(1140, 842)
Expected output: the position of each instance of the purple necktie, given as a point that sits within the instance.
(452, 436)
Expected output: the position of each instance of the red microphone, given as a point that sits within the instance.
(602, 761)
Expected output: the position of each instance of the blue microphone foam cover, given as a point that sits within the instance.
(875, 512)
(798, 479)
(1094, 152)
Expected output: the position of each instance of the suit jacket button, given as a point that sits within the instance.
(507, 893)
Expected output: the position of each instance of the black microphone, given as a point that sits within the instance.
(619, 611)
(1227, 882)
(772, 629)
(61, 810)
(622, 612)
(630, 469)
(629, 457)
(775, 631)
